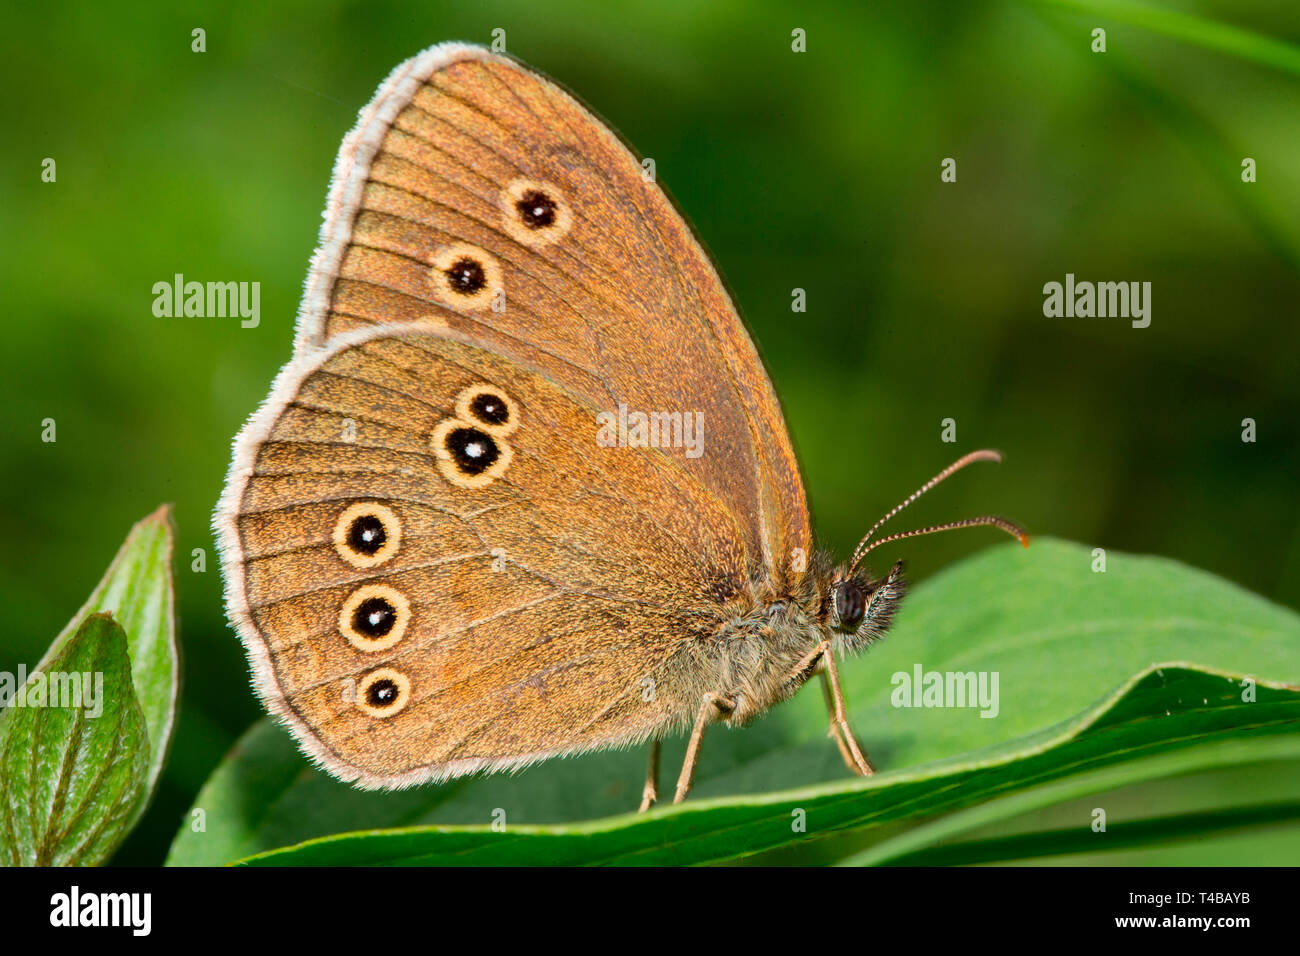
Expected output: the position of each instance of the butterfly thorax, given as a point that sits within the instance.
(766, 647)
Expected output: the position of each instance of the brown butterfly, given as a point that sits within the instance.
(440, 551)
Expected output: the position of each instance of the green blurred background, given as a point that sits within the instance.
(817, 170)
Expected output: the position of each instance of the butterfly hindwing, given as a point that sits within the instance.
(436, 568)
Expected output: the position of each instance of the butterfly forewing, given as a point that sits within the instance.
(476, 194)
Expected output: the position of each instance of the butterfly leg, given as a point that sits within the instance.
(711, 707)
(834, 732)
(650, 792)
(860, 764)
(806, 667)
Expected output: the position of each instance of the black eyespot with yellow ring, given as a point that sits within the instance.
(383, 692)
(469, 456)
(374, 617)
(488, 407)
(367, 534)
(465, 277)
(535, 213)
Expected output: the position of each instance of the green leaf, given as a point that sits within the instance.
(137, 589)
(1082, 840)
(73, 765)
(1128, 733)
(1088, 663)
(921, 844)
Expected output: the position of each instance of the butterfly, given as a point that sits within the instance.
(440, 553)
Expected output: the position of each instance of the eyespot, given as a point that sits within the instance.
(536, 209)
(536, 213)
(465, 276)
(467, 455)
(374, 617)
(488, 407)
(849, 604)
(473, 450)
(383, 692)
(367, 534)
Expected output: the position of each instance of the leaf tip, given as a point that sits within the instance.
(161, 515)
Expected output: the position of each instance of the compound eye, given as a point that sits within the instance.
(849, 603)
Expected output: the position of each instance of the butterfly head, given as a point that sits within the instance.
(861, 609)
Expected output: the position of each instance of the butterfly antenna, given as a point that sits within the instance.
(985, 520)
